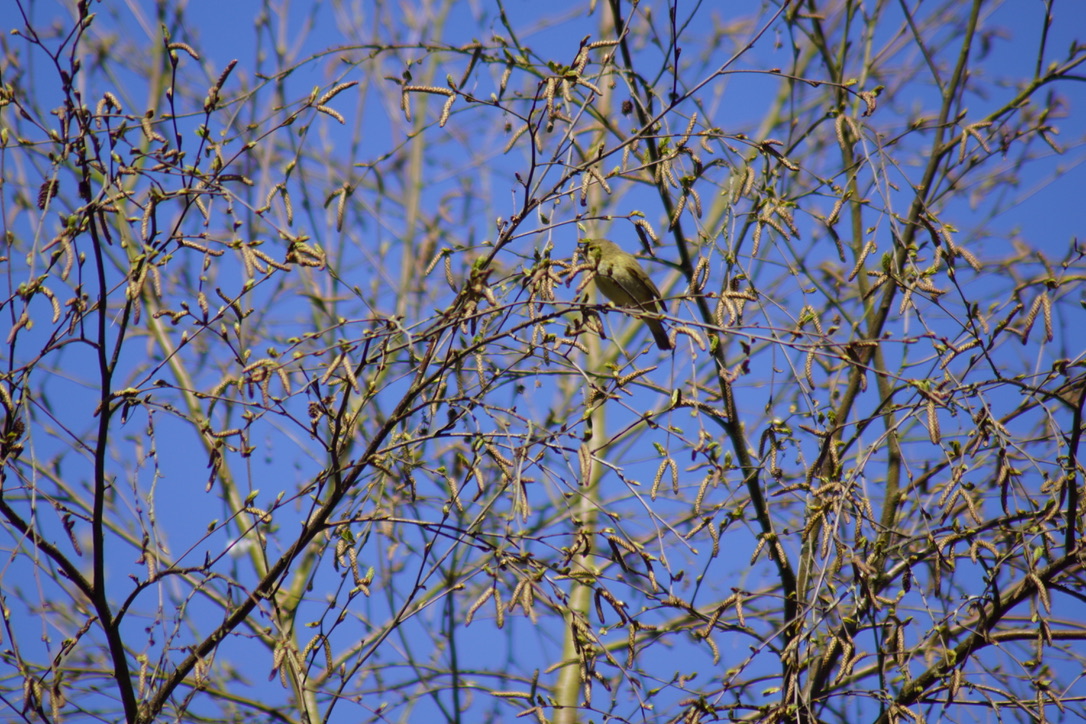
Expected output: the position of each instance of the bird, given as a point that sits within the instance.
(620, 278)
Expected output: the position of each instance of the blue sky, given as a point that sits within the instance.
(1043, 210)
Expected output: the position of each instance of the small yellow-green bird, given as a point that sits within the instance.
(620, 278)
